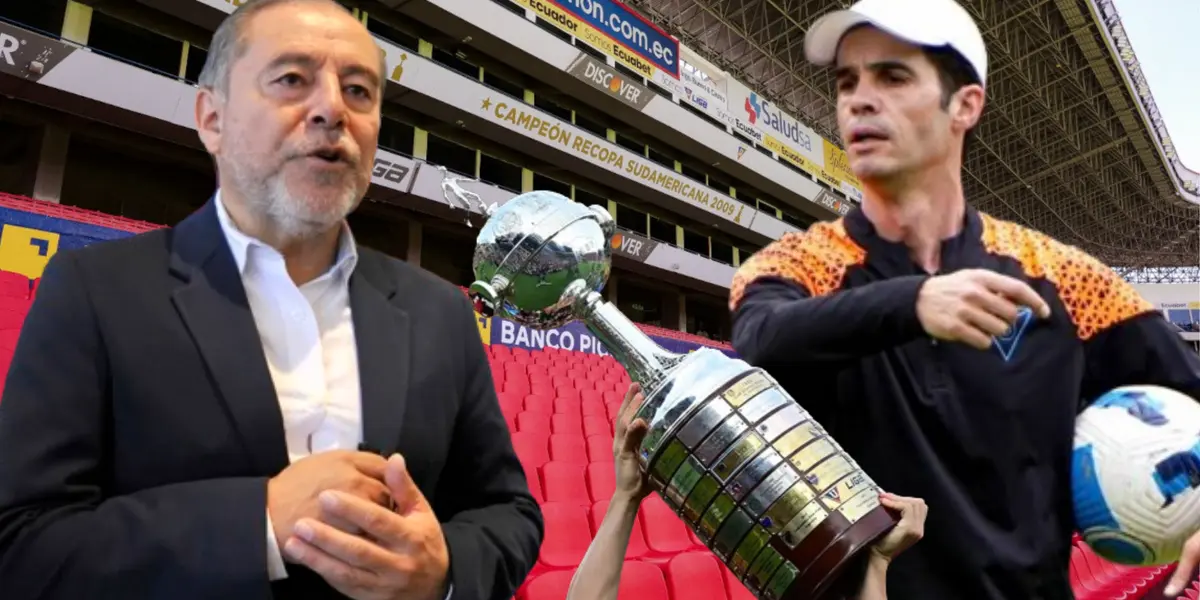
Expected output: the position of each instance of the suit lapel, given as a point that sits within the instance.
(382, 337)
(212, 303)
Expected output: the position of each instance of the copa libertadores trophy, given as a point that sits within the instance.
(755, 477)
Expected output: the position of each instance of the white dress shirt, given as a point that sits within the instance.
(307, 335)
(308, 338)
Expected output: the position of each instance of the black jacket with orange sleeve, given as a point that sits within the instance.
(984, 436)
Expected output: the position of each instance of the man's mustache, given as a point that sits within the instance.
(330, 152)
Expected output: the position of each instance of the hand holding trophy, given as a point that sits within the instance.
(746, 467)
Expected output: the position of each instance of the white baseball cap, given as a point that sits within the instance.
(929, 23)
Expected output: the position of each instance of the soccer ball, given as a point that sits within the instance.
(1135, 471)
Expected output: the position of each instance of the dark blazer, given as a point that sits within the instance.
(139, 426)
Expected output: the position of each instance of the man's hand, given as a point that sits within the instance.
(631, 481)
(401, 556)
(907, 532)
(292, 494)
(973, 306)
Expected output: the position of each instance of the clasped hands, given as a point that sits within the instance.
(360, 521)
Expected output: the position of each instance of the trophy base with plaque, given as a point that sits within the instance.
(754, 476)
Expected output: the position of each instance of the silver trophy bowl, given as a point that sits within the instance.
(759, 481)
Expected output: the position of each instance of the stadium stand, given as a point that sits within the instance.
(560, 406)
(570, 471)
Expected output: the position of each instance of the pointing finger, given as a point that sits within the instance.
(1018, 291)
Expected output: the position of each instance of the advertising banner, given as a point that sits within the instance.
(574, 337)
(615, 30)
(30, 234)
(531, 122)
(393, 171)
(705, 95)
(837, 205)
(631, 245)
(607, 79)
(758, 119)
(431, 79)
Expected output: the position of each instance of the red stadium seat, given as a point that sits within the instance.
(567, 536)
(534, 423)
(600, 448)
(567, 424)
(593, 408)
(565, 483)
(534, 481)
(597, 426)
(551, 585)
(510, 406)
(665, 532)
(695, 576)
(567, 406)
(569, 449)
(532, 448)
(537, 403)
(601, 480)
(642, 581)
(614, 410)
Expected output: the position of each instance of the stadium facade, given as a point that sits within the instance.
(586, 98)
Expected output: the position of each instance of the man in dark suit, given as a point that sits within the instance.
(186, 411)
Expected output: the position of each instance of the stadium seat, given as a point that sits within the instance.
(551, 585)
(1097, 579)
(540, 404)
(534, 480)
(528, 422)
(568, 449)
(695, 576)
(565, 483)
(642, 581)
(593, 408)
(601, 480)
(532, 448)
(665, 533)
(567, 424)
(593, 425)
(567, 406)
(600, 448)
(567, 536)
(614, 409)
(510, 406)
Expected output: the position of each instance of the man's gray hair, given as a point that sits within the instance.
(229, 44)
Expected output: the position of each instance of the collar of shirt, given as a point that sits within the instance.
(244, 246)
(962, 250)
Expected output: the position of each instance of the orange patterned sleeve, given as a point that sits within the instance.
(816, 260)
(1095, 297)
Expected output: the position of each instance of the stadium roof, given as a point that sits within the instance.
(1066, 144)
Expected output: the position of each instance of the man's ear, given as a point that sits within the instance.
(210, 111)
(967, 106)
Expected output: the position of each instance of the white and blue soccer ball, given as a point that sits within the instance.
(1135, 474)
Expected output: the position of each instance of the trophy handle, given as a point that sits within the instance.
(490, 293)
(607, 224)
(647, 363)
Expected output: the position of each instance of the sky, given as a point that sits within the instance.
(1166, 40)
